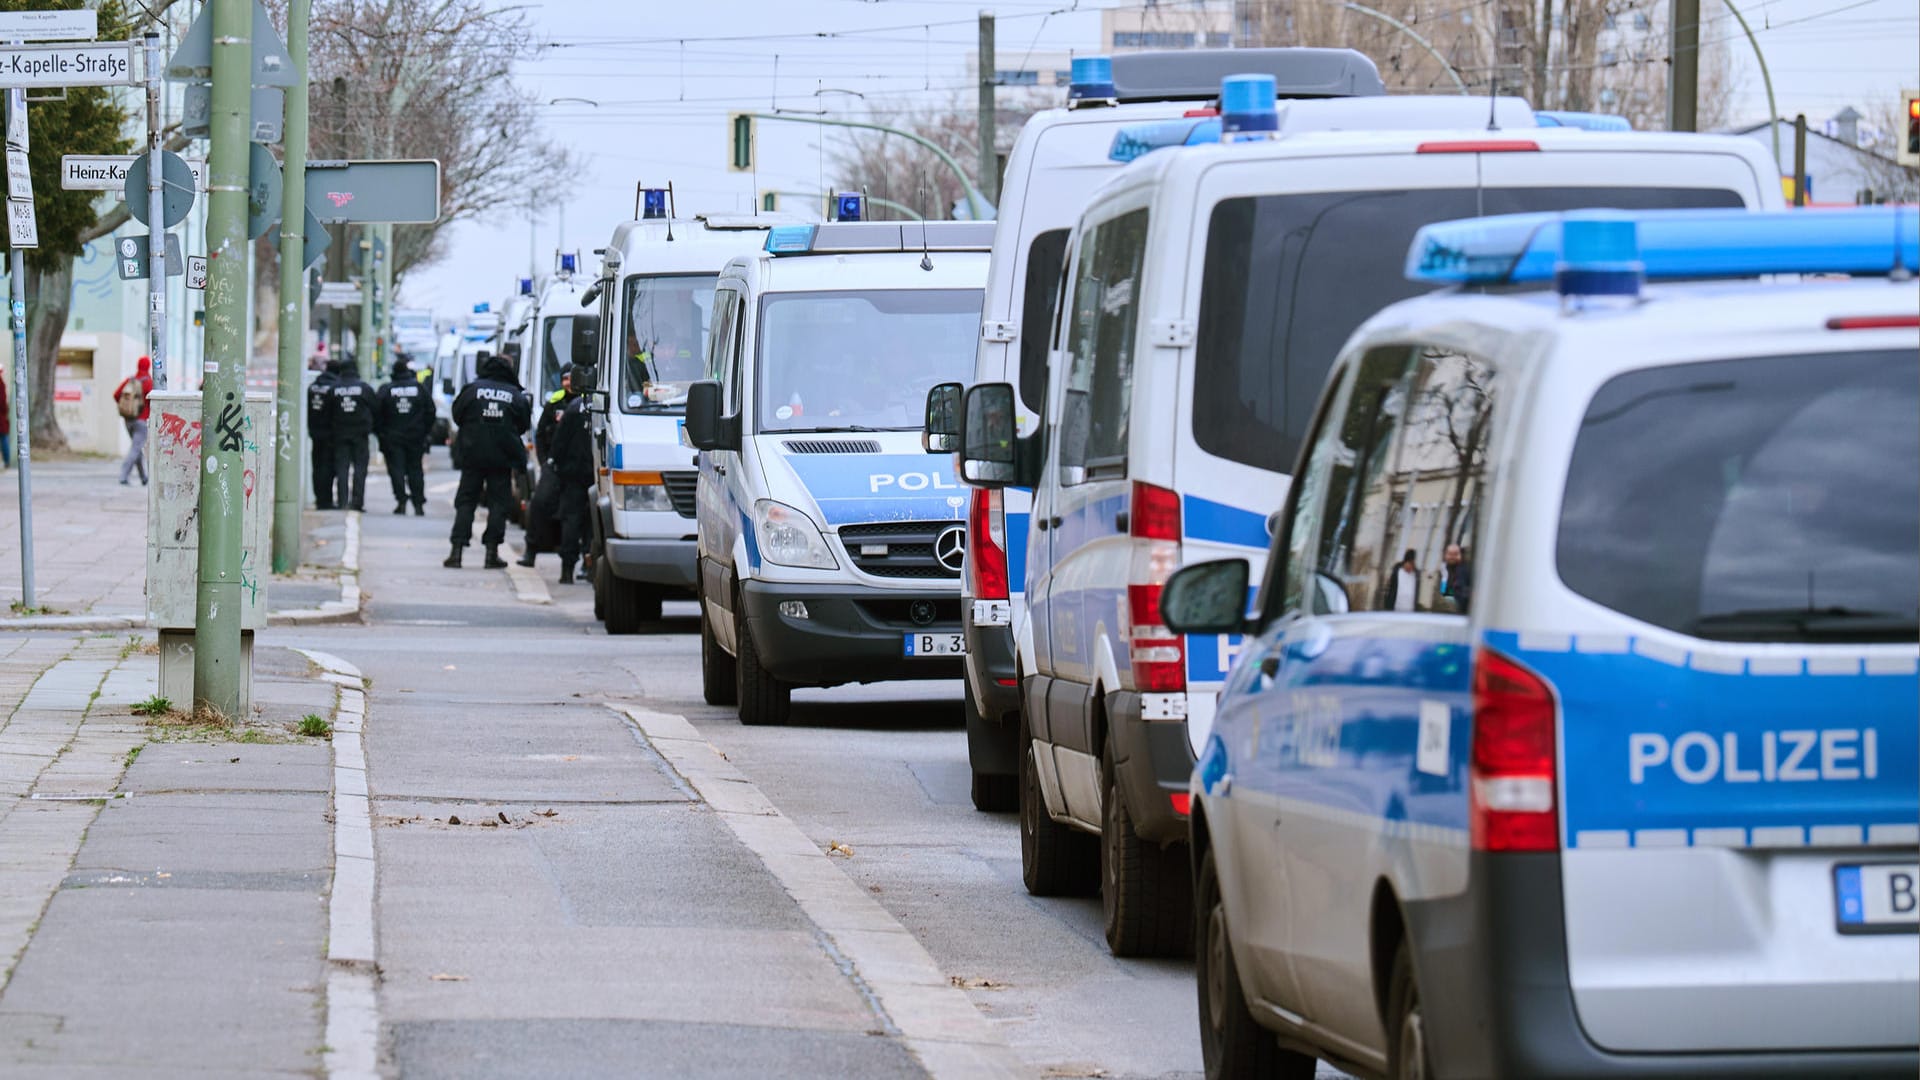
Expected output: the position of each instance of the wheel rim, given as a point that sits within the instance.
(1215, 976)
(1029, 799)
(1413, 1045)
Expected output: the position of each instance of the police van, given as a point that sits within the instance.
(653, 298)
(1577, 734)
(546, 336)
(1207, 292)
(1059, 158)
(830, 544)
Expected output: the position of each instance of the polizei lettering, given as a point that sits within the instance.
(1766, 757)
(495, 401)
(913, 481)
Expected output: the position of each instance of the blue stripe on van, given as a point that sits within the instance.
(1224, 524)
(1017, 551)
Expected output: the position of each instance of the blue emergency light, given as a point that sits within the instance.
(526, 286)
(1247, 109)
(1091, 79)
(1139, 140)
(569, 262)
(481, 309)
(1597, 250)
(653, 203)
(849, 206)
(789, 239)
(1586, 121)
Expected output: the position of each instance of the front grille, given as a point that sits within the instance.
(832, 446)
(905, 549)
(680, 489)
(899, 613)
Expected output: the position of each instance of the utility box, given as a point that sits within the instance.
(174, 431)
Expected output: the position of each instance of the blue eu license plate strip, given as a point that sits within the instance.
(949, 643)
(1877, 898)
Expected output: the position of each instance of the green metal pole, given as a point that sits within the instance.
(289, 402)
(218, 679)
(383, 327)
(975, 201)
(369, 277)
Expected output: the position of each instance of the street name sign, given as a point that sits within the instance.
(272, 64)
(130, 258)
(98, 64)
(338, 294)
(108, 172)
(176, 188)
(370, 192)
(77, 25)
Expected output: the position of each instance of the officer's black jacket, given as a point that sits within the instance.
(493, 412)
(319, 395)
(350, 409)
(403, 410)
(573, 443)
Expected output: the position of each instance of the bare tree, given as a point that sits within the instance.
(902, 171)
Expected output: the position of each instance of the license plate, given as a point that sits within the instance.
(1877, 898)
(936, 645)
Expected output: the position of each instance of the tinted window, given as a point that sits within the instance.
(849, 361)
(1769, 498)
(1044, 259)
(1288, 277)
(556, 353)
(663, 339)
(1099, 391)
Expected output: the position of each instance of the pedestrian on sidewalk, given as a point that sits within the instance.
(130, 397)
(350, 419)
(543, 519)
(319, 420)
(493, 413)
(572, 467)
(403, 420)
(6, 426)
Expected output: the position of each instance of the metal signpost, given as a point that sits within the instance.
(156, 221)
(22, 233)
(295, 245)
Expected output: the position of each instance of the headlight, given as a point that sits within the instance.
(789, 538)
(640, 491)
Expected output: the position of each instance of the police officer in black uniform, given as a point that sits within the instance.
(543, 512)
(319, 429)
(403, 420)
(572, 467)
(351, 419)
(493, 414)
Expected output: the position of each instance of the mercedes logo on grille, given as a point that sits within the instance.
(950, 547)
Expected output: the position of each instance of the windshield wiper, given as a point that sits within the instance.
(1835, 623)
(822, 430)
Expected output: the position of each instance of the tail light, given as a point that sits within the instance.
(1159, 655)
(1514, 797)
(987, 545)
(1479, 146)
(1873, 322)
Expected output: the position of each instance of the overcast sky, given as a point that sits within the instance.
(664, 74)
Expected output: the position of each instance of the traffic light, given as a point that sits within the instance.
(1909, 148)
(739, 143)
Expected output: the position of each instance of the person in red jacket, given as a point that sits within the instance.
(131, 399)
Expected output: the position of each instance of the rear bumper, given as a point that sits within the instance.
(850, 634)
(1152, 763)
(992, 668)
(1492, 969)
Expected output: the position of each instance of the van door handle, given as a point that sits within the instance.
(1055, 520)
(1120, 521)
(1040, 523)
(720, 469)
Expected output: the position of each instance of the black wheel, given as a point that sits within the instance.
(1055, 859)
(602, 574)
(1231, 1043)
(1406, 1024)
(717, 674)
(629, 603)
(763, 699)
(993, 792)
(1146, 893)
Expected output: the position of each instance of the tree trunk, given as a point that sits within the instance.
(49, 299)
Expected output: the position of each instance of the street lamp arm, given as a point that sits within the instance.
(1362, 9)
(976, 202)
(1773, 110)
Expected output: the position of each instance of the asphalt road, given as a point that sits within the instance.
(624, 926)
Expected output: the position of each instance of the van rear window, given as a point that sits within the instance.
(1761, 499)
(1045, 257)
(1288, 277)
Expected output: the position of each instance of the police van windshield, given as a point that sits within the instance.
(556, 353)
(1287, 278)
(663, 339)
(861, 361)
(1761, 499)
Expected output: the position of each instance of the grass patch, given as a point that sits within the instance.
(19, 607)
(313, 727)
(153, 706)
(133, 754)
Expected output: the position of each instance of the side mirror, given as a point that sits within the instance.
(596, 401)
(988, 454)
(942, 434)
(586, 339)
(1206, 598)
(1329, 595)
(706, 428)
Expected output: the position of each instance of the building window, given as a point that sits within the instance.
(1016, 78)
(1152, 39)
(1641, 22)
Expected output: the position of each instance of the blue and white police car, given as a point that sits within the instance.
(1625, 783)
(830, 544)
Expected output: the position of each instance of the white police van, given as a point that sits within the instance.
(830, 544)
(1624, 784)
(546, 332)
(1060, 157)
(654, 297)
(1208, 291)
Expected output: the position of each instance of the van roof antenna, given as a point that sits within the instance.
(1493, 101)
(671, 210)
(926, 256)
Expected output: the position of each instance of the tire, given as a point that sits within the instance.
(1146, 891)
(764, 700)
(1055, 859)
(717, 673)
(1406, 1023)
(602, 574)
(1232, 1043)
(993, 792)
(629, 604)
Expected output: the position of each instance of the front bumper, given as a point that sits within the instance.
(656, 562)
(850, 634)
(1152, 762)
(1492, 968)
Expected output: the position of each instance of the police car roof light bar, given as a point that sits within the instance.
(1247, 109)
(1090, 81)
(1514, 248)
(1139, 140)
(790, 239)
(653, 202)
(1585, 121)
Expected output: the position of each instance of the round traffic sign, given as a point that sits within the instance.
(176, 188)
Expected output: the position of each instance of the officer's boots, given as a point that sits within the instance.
(566, 572)
(494, 561)
(453, 560)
